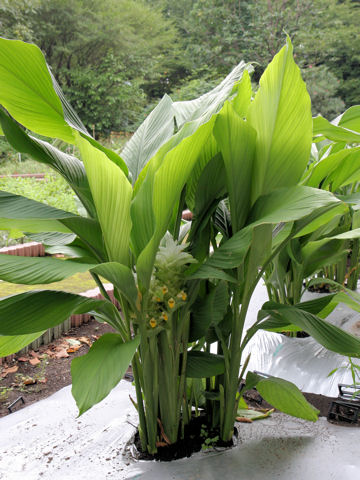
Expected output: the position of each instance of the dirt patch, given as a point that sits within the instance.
(40, 373)
(198, 435)
(321, 402)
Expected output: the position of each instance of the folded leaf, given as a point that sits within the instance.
(331, 337)
(149, 137)
(32, 312)
(209, 311)
(13, 344)
(281, 116)
(203, 364)
(95, 374)
(286, 396)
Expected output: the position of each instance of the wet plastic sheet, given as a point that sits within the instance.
(278, 447)
(46, 441)
(302, 361)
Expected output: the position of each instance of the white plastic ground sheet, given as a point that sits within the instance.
(302, 361)
(46, 441)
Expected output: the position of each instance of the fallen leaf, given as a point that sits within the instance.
(61, 354)
(34, 354)
(5, 371)
(73, 341)
(23, 359)
(34, 361)
(243, 420)
(42, 380)
(87, 340)
(73, 349)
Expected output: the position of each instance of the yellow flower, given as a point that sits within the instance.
(182, 295)
(171, 303)
(164, 316)
(153, 322)
(157, 299)
(164, 290)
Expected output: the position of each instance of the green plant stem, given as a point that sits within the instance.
(140, 404)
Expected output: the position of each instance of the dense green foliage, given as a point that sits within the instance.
(237, 159)
(53, 190)
(112, 58)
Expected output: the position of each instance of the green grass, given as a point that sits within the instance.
(13, 166)
(81, 282)
(53, 190)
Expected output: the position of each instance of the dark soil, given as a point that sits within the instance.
(50, 374)
(197, 436)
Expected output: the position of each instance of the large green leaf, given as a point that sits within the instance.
(319, 254)
(203, 364)
(283, 205)
(211, 102)
(112, 193)
(13, 344)
(32, 312)
(281, 116)
(331, 337)
(236, 139)
(347, 172)
(121, 277)
(241, 102)
(26, 90)
(148, 138)
(209, 153)
(67, 165)
(350, 119)
(95, 374)
(164, 189)
(286, 396)
(30, 216)
(323, 128)
(35, 270)
(209, 311)
(332, 166)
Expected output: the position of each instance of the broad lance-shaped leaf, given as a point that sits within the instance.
(241, 101)
(26, 90)
(165, 187)
(30, 216)
(203, 364)
(21, 213)
(148, 138)
(343, 163)
(236, 140)
(32, 312)
(68, 166)
(283, 395)
(281, 116)
(283, 205)
(13, 344)
(331, 337)
(31, 95)
(350, 119)
(95, 374)
(35, 271)
(323, 128)
(112, 193)
(211, 102)
(209, 311)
